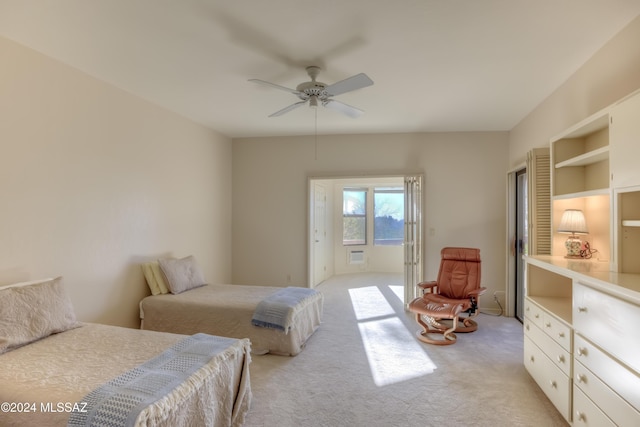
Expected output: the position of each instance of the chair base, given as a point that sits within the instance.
(434, 327)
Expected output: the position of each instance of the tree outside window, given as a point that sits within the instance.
(388, 206)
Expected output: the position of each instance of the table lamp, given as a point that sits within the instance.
(573, 223)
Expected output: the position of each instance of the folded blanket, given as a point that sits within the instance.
(276, 311)
(120, 401)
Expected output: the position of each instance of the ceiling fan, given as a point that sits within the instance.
(316, 92)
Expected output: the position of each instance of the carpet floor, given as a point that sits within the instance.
(365, 367)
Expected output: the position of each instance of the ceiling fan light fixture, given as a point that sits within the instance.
(314, 91)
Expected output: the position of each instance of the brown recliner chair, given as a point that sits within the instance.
(453, 296)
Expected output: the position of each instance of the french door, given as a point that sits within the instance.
(412, 235)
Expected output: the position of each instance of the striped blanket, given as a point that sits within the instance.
(276, 311)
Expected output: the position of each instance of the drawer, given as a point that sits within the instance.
(554, 351)
(616, 408)
(533, 312)
(623, 381)
(609, 322)
(553, 382)
(557, 330)
(586, 413)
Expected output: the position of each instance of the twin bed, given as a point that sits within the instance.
(55, 371)
(228, 310)
(182, 304)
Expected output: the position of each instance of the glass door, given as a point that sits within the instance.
(521, 240)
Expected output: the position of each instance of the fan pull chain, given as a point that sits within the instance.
(316, 135)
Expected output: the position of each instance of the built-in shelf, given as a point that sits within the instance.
(589, 158)
(631, 223)
(599, 192)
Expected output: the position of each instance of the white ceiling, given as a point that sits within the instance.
(438, 65)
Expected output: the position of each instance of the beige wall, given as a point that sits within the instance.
(464, 196)
(608, 76)
(94, 181)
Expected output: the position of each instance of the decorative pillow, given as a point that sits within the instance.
(155, 279)
(181, 274)
(34, 311)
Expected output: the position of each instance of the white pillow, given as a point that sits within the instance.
(29, 312)
(181, 274)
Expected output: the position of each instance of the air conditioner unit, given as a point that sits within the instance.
(356, 257)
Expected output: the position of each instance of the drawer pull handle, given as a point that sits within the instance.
(582, 351)
(537, 316)
(561, 334)
(553, 384)
(527, 327)
(581, 416)
(582, 309)
(561, 359)
(532, 359)
(548, 324)
(582, 378)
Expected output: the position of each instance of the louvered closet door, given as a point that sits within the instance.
(412, 236)
(539, 224)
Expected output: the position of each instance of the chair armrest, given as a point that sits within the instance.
(427, 285)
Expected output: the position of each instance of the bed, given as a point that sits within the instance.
(186, 306)
(55, 371)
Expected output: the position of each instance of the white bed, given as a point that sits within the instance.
(227, 310)
(182, 303)
(45, 377)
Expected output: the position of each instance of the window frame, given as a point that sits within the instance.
(364, 216)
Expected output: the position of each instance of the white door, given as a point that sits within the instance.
(412, 236)
(319, 234)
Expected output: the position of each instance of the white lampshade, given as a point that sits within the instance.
(573, 222)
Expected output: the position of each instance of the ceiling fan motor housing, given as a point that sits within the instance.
(313, 88)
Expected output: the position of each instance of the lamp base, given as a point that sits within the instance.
(573, 245)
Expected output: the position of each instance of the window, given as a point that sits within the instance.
(388, 207)
(354, 216)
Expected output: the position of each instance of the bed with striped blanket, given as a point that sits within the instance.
(165, 379)
(229, 310)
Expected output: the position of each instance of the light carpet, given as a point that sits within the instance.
(364, 367)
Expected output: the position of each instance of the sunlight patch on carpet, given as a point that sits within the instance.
(369, 302)
(398, 291)
(392, 352)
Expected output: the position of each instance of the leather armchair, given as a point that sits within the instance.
(453, 296)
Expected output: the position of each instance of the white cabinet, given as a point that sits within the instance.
(547, 355)
(581, 327)
(606, 384)
(586, 361)
(625, 152)
(609, 322)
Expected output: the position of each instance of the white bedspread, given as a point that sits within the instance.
(63, 368)
(227, 310)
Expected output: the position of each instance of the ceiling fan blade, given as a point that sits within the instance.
(287, 109)
(351, 83)
(343, 108)
(286, 89)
